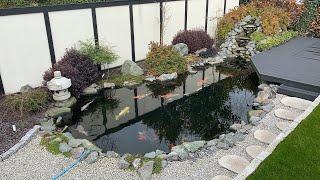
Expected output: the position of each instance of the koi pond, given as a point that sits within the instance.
(159, 116)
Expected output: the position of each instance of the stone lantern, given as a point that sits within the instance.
(59, 86)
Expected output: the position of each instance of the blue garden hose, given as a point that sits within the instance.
(66, 170)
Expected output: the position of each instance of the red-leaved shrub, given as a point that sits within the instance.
(77, 67)
(194, 39)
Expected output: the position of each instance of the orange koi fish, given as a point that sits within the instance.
(141, 96)
(142, 136)
(202, 82)
(169, 96)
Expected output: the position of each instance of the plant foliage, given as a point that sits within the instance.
(27, 3)
(77, 67)
(276, 16)
(29, 102)
(267, 42)
(308, 16)
(315, 24)
(98, 54)
(164, 59)
(194, 39)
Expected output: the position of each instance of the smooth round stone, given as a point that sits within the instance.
(296, 103)
(285, 114)
(254, 150)
(282, 125)
(234, 163)
(221, 177)
(264, 136)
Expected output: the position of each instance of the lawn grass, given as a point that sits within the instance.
(298, 156)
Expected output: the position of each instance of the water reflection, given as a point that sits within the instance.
(199, 106)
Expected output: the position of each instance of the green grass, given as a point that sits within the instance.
(298, 156)
(157, 167)
(53, 146)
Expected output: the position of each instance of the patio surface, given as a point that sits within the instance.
(294, 65)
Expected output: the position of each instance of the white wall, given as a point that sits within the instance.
(113, 25)
(146, 19)
(231, 4)
(173, 19)
(196, 14)
(215, 11)
(24, 52)
(70, 27)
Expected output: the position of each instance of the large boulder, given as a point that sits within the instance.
(92, 157)
(93, 89)
(131, 68)
(168, 77)
(194, 146)
(26, 88)
(181, 48)
(55, 112)
(181, 152)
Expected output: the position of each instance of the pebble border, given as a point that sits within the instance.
(23, 141)
(272, 146)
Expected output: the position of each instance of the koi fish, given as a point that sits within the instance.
(169, 96)
(142, 136)
(141, 96)
(86, 105)
(202, 82)
(123, 112)
(198, 89)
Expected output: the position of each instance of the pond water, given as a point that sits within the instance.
(155, 116)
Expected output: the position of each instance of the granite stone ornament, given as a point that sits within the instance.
(59, 86)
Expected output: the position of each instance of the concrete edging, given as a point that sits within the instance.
(272, 146)
(23, 141)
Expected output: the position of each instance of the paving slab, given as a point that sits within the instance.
(296, 103)
(285, 114)
(264, 136)
(234, 163)
(254, 150)
(282, 125)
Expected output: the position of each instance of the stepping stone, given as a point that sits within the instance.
(264, 136)
(221, 177)
(282, 125)
(285, 114)
(296, 103)
(254, 150)
(234, 163)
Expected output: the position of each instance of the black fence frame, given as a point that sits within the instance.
(46, 9)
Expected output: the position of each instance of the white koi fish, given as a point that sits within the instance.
(123, 112)
(86, 105)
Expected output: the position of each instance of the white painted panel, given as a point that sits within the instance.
(69, 27)
(24, 52)
(173, 19)
(231, 4)
(196, 14)
(146, 27)
(114, 31)
(216, 8)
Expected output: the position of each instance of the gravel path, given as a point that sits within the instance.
(34, 162)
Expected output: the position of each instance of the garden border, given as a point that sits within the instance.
(23, 141)
(272, 146)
